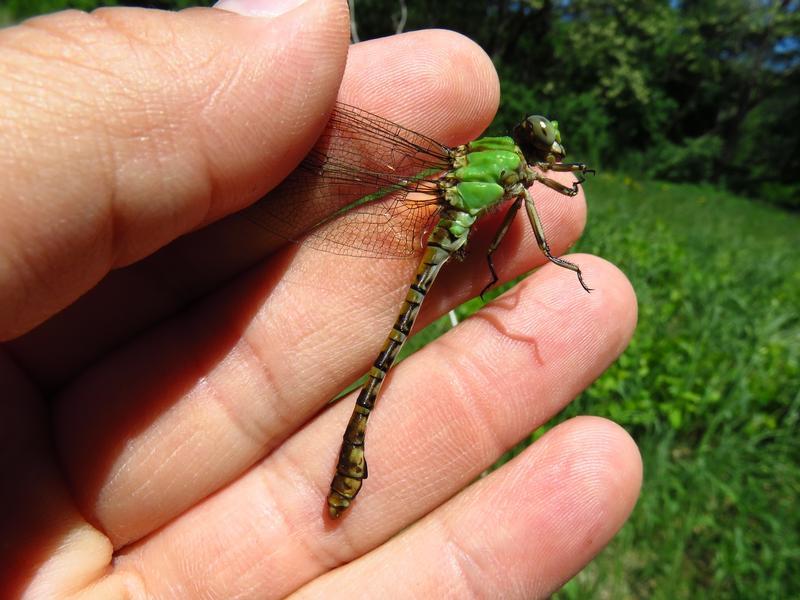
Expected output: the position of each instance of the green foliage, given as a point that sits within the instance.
(618, 51)
(782, 194)
(764, 133)
(718, 286)
(691, 160)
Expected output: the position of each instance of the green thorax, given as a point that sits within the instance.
(483, 173)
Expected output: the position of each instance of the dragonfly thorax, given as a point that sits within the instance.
(484, 174)
(539, 139)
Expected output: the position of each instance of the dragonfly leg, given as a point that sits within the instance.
(538, 231)
(498, 237)
(565, 167)
(580, 169)
(567, 190)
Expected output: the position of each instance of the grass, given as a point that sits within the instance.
(709, 388)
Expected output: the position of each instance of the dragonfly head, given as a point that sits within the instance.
(539, 137)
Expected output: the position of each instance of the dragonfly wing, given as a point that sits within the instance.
(368, 188)
(390, 228)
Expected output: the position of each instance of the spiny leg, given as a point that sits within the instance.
(558, 186)
(498, 237)
(569, 167)
(538, 231)
(579, 168)
(564, 167)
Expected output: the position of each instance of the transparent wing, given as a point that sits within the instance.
(368, 188)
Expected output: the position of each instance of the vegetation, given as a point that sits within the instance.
(710, 387)
(704, 92)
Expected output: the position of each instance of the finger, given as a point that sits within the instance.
(522, 532)
(48, 549)
(140, 126)
(210, 381)
(445, 415)
(436, 82)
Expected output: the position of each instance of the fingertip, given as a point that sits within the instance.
(608, 313)
(437, 82)
(581, 481)
(613, 298)
(612, 461)
(605, 478)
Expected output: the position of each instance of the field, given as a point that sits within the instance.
(709, 388)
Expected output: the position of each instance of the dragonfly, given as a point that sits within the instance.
(373, 188)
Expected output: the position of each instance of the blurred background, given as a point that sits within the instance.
(690, 111)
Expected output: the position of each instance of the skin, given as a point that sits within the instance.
(164, 369)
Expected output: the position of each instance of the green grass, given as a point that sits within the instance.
(709, 388)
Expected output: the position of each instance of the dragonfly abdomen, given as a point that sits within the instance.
(449, 235)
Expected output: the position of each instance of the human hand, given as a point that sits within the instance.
(160, 435)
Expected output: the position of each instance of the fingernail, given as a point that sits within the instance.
(258, 8)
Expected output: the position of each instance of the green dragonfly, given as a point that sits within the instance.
(373, 188)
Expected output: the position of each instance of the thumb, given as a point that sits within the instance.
(122, 129)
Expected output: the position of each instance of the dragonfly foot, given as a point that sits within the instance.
(583, 283)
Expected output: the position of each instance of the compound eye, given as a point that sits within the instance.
(543, 131)
(538, 137)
